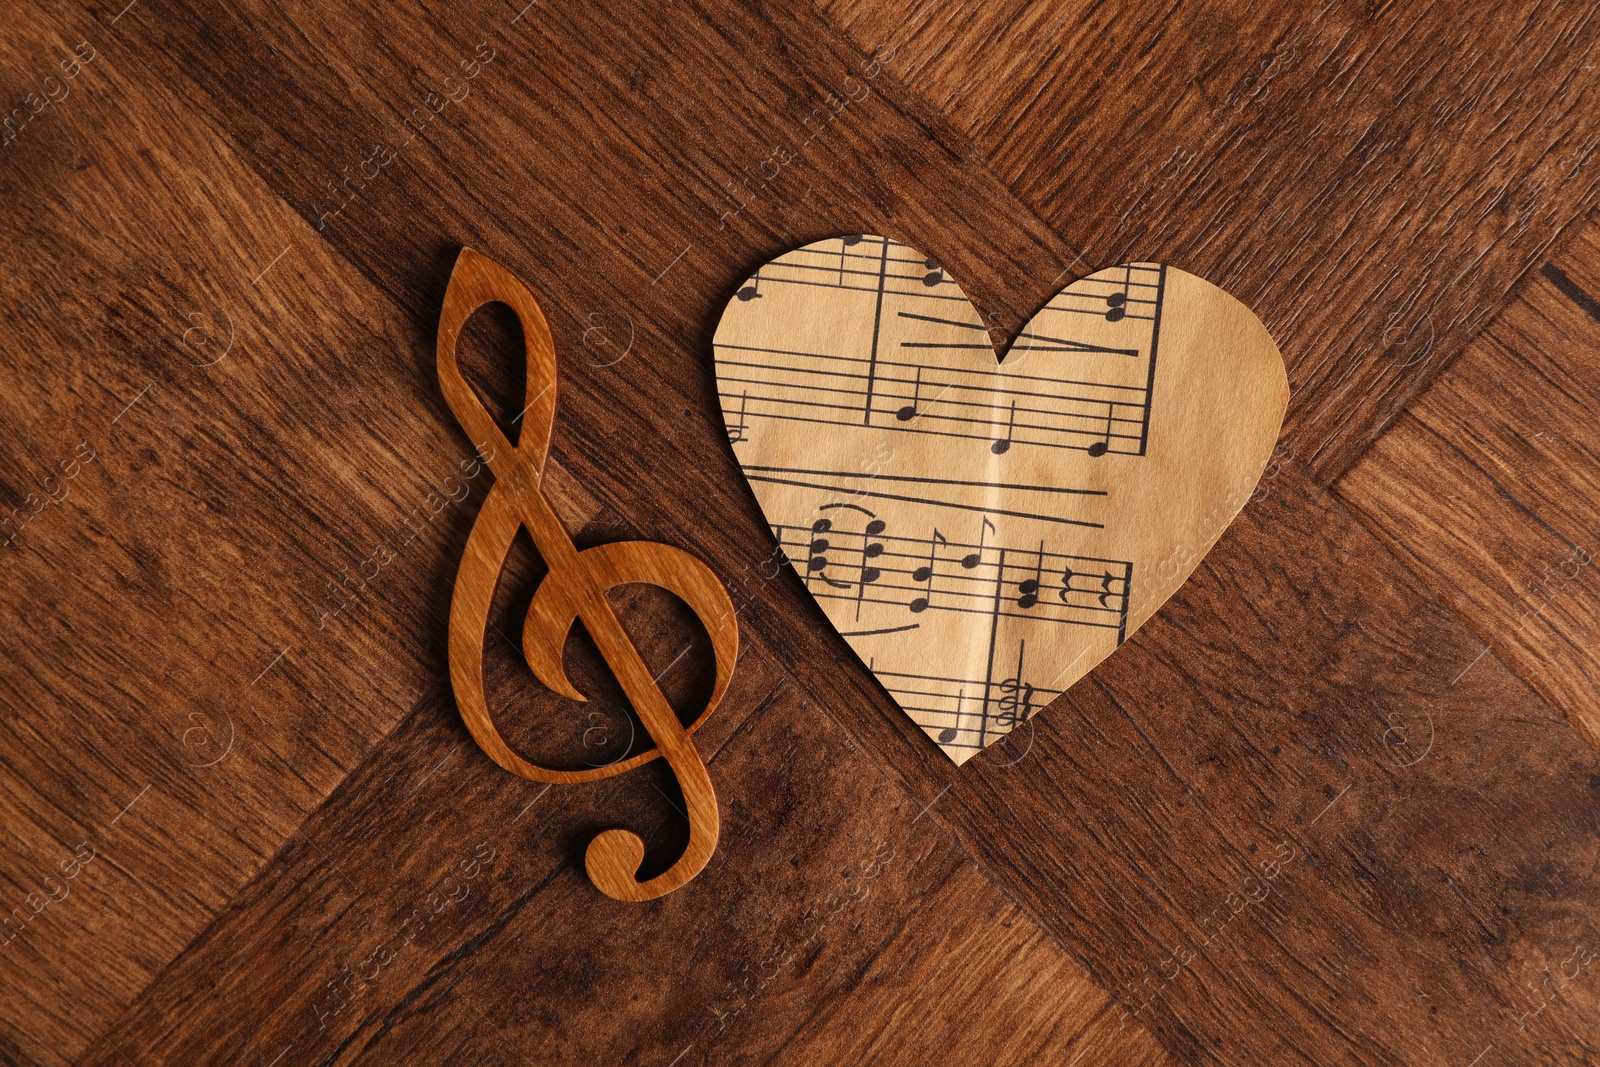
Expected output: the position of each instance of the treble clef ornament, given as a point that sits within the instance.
(574, 590)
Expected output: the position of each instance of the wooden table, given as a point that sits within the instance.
(1336, 804)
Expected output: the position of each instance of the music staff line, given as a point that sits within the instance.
(938, 587)
(941, 575)
(925, 277)
(836, 394)
(898, 584)
(1113, 301)
(1064, 344)
(769, 474)
(970, 706)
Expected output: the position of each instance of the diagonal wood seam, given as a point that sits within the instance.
(1417, 567)
(1556, 250)
(822, 1009)
(437, 691)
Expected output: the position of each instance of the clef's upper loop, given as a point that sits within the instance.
(478, 280)
(573, 591)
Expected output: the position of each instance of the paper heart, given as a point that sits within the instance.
(982, 534)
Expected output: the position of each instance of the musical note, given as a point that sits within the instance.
(925, 574)
(1102, 446)
(865, 342)
(949, 733)
(1003, 445)
(736, 430)
(909, 412)
(965, 712)
(1100, 407)
(1015, 704)
(904, 574)
(871, 549)
(1016, 696)
(817, 555)
(972, 559)
(1117, 303)
(847, 242)
(1028, 588)
(573, 591)
(751, 290)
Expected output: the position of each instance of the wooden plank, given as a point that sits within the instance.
(1505, 527)
(1201, 751)
(1111, 1039)
(1372, 181)
(327, 958)
(969, 979)
(611, 244)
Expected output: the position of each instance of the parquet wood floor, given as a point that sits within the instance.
(1336, 804)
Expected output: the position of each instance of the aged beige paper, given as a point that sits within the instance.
(983, 534)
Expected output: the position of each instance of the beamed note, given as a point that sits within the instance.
(573, 591)
(984, 533)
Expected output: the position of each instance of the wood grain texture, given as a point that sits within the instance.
(1371, 177)
(1506, 525)
(969, 980)
(1236, 826)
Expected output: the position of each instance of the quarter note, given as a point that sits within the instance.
(972, 559)
(736, 432)
(935, 274)
(948, 734)
(925, 574)
(751, 290)
(1003, 445)
(817, 560)
(909, 412)
(1101, 447)
(848, 241)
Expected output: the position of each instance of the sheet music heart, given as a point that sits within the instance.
(982, 534)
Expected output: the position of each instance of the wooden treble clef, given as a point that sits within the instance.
(573, 590)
